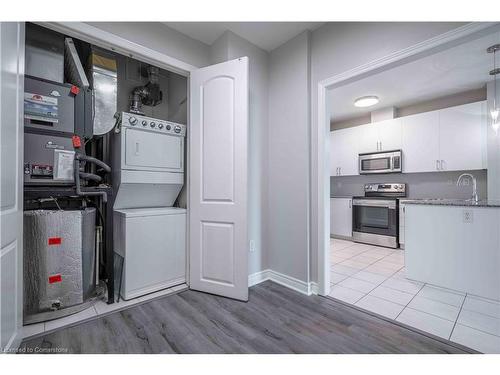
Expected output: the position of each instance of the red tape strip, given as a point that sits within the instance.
(55, 279)
(55, 240)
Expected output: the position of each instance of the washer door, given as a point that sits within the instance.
(146, 150)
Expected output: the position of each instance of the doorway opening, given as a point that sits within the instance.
(426, 145)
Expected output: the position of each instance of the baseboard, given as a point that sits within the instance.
(282, 279)
(314, 287)
(14, 343)
(258, 277)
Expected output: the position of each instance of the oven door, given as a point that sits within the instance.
(375, 216)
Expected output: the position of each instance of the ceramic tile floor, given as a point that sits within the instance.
(100, 308)
(373, 278)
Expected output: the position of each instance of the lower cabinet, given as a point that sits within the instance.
(402, 225)
(341, 217)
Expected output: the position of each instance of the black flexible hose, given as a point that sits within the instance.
(76, 167)
(98, 162)
(90, 176)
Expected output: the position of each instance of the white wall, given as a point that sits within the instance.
(230, 46)
(161, 38)
(339, 47)
(288, 132)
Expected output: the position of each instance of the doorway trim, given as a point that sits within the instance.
(321, 184)
(113, 42)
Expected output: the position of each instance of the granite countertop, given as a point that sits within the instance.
(453, 202)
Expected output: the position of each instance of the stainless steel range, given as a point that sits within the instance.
(375, 216)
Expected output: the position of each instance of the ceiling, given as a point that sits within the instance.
(266, 35)
(451, 71)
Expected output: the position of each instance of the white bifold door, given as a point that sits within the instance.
(11, 190)
(218, 146)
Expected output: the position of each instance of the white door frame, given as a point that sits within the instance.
(320, 130)
(113, 42)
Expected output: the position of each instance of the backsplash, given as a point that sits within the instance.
(419, 185)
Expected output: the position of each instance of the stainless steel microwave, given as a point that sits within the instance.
(381, 162)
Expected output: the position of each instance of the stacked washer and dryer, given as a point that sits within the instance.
(149, 233)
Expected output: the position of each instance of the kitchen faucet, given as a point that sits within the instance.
(475, 198)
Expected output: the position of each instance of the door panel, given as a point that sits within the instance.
(421, 142)
(344, 152)
(390, 134)
(218, 145)
(217, 252)
(11, 160)
(368, 138)
(462, 135)
(218, 138)
(153, 150)
(341, 217)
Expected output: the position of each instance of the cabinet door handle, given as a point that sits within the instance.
(340, 171)
(437, 165)
(442, 165)
(350, 203)
(380, 145)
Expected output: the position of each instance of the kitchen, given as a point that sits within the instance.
(414, 195)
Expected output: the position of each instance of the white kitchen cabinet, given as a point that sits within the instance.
(462, 137)
(380, 136)
(420, 134)
(368, 138)
(450, 139)
(344, 152)
(341, 217)
(336, 140)
(389, 134)
(401, 225)
(444, 249)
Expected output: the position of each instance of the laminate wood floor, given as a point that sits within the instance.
(275, 320)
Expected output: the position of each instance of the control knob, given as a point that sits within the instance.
(152, 124)
(168, 127)
(144, 122)
(160, 126)
(177, 129)
(132, 120)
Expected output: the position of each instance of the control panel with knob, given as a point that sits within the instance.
(153, 125)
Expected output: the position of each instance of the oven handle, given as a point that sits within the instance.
(374, 203)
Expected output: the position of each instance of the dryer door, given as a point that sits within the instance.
(147, 150)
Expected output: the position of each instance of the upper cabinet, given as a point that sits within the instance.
(450, 139)
(390, 134)
(421, 142)
(368, 138)
(344, 152)
(462, 137)
(380, 136)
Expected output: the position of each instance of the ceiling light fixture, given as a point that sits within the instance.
(495, 106)
(366, 101)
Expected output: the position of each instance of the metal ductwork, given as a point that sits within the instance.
(149, 94)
